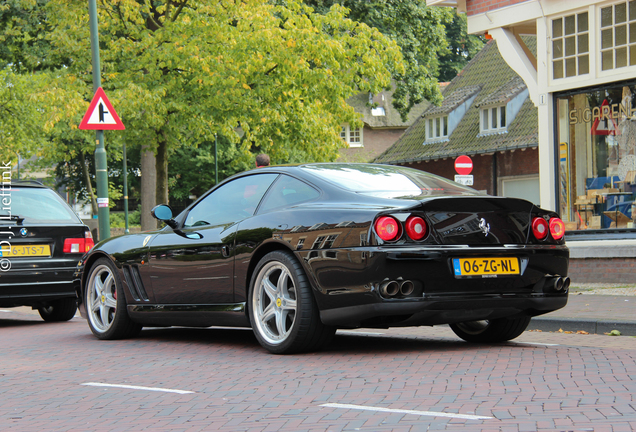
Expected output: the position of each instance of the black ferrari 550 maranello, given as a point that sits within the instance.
(296, 252)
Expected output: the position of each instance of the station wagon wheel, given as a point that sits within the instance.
(58, 310)
(106, 303)
(282, 309)
(488, 331)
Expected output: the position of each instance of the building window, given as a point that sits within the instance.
(493, 119)
(570, 46)
(596, 131)
(618, 35)
(436, 128)
(353, 137)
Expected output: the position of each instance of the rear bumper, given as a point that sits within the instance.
(441, 310)
(348, 284)
(34, 286)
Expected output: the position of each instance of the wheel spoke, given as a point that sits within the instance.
(270, 289)
(280, 323)
(268, 313)
(110, 302)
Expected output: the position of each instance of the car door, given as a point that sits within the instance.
(195, 263)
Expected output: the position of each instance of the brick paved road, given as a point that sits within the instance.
(542, 381)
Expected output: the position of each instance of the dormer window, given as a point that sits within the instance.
(436, 128)
(493, 119)
(352, 136)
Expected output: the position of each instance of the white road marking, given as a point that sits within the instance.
(536, 343)
(402, 411)
(352, 332)
(132, 387)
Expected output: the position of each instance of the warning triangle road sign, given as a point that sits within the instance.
(605, 124)
(101, 115)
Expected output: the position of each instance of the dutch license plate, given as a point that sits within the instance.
(17, 251)
(485, 266)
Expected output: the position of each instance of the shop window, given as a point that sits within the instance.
(437, 128)
(596, 132)
(352, 136)
(493, 119)
(618, 35)
(570, 46)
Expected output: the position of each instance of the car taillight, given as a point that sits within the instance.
(79, 245)
(557, 228)
(539, 228)
(387, 228)
(416, 228)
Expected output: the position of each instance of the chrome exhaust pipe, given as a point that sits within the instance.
(389, 288)
(558, 284)
(566, 283)
(407, 288)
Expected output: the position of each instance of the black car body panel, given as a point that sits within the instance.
(205, 281)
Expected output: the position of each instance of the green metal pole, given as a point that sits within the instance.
(125, 190)
(101, 169)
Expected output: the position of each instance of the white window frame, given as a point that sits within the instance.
(572, 51)
(486, 116)
(437, 128)
(353, 137)
(615, 36)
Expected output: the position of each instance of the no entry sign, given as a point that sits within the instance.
(463, 165)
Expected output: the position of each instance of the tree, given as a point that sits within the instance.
(180, 71)
(462, 47)
(420, 33)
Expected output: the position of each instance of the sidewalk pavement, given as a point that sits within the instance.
(592, 313)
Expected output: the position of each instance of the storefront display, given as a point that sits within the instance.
(596, 132)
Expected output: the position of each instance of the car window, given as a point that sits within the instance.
(387, 181)
(287, 191)
(232, 202)
(37, 205)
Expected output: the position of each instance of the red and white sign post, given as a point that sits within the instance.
(464, 166)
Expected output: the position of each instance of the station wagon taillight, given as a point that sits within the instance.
(79, 245)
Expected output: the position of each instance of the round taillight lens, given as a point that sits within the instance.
(557, 228)
(539, 228)
(416, 228)
(387, 228)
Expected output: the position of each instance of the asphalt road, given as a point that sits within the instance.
(58, 377)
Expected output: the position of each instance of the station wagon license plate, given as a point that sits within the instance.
(486, 266)
(17, 251)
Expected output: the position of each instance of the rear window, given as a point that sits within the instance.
(387, 181)
(36, 205)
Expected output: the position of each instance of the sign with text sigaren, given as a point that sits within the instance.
(101, 115)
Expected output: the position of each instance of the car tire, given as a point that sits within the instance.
(58, 310)
(282, 310)
(488, 331)
(106, 303)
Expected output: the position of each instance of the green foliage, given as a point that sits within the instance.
(418, 30)
(462, 47)
(117, 219)
(268, 78)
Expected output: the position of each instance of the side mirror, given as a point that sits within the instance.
(163, 212)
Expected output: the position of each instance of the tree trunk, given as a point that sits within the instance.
(89, 185)
(148, 189)
(162, 172)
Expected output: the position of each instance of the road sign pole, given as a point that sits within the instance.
(101, 168)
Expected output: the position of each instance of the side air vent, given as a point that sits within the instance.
(135, 285)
